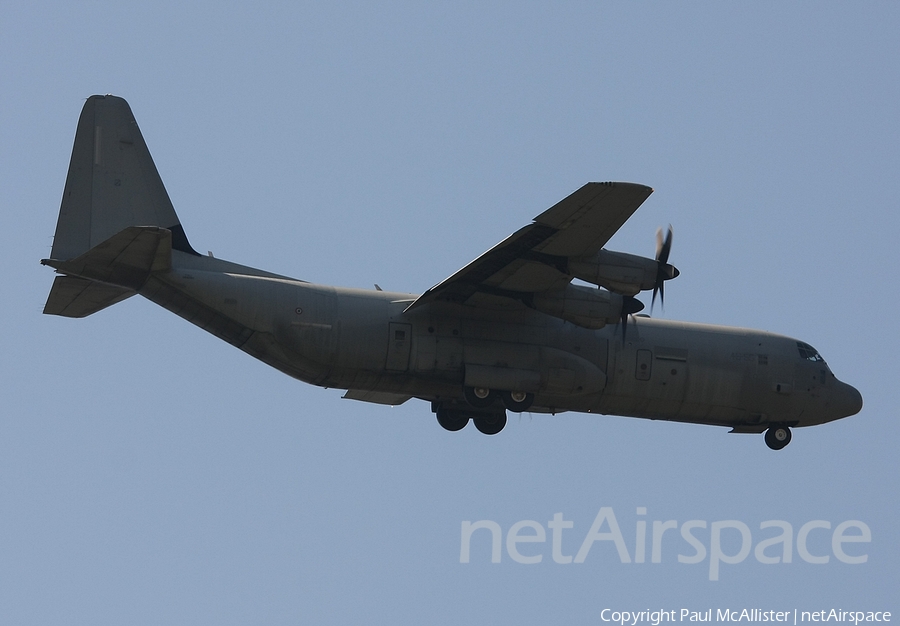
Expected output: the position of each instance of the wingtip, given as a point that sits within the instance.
(622, 183)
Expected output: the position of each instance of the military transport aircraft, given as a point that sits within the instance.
(508, 332)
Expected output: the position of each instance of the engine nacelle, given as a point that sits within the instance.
(585, 306)
(619, 272)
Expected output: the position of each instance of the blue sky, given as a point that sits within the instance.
(152, 474)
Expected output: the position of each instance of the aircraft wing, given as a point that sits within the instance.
(535, 258)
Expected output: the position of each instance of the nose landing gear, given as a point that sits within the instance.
(778, 436)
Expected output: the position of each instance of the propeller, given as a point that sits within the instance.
(664, 271)
(630, 305)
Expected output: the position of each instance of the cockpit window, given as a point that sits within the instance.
(808, 352)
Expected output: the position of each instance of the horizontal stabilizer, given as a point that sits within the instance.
(79, 297)
(126, 259)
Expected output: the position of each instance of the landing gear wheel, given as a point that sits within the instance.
(479, 397)
(517, 401)
(490, 425)
(452, 420)
(778, 437)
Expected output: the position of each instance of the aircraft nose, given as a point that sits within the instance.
(850, 401)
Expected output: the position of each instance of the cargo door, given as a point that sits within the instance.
(399, 342)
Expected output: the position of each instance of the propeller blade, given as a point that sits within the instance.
(664, 271)
(663, 246)
(658, 287)
(630, 305)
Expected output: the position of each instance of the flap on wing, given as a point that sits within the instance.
(535, 258)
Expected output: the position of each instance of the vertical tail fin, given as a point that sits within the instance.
(112, 183)
(116, 222)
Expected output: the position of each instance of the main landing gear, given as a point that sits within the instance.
(482, 397)
(778, 436)
(481, 407)
(487, 422)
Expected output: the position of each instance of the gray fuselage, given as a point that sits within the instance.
(363, 340)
